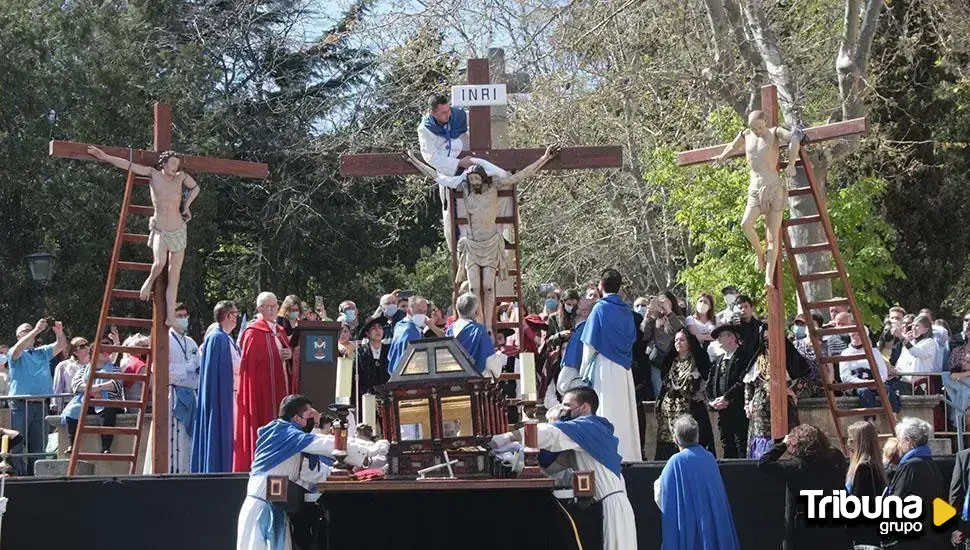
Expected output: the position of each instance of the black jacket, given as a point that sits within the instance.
(866, 483)
(825, 472)
(959, 484)
(922, 477)
(726, 377)
(372, 370)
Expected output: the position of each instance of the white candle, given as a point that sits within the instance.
(369, 406)
(345, 377)
(528, 375)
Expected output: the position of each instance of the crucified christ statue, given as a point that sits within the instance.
(767, 192)
(481, 251)
(166, 228)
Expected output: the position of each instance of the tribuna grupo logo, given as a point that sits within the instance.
(896, 515)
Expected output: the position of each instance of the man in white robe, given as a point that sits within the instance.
(589, 440)
(287, 446)
(608, 338)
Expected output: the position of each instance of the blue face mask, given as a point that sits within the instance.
(642, 310)
(800, 331)
(390, 310)
(183, 323)
(350, 315)
(3, 358)
(551, 303)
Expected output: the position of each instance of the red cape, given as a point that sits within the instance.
(262, 386)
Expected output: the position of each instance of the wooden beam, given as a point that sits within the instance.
(570, 158)
(479, 118)
(193, 165)
(817, 133)
(162, 134)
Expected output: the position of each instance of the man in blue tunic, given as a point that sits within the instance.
(691, 496)
(407, 330)
(473, 337)
(213, 429)
(608, 338)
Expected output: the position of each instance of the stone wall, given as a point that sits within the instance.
(816, 411)
(92, 444)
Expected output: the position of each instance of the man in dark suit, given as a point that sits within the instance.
(725, 389)
(372, 357)
(959, 485)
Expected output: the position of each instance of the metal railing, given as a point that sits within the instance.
(27, 399)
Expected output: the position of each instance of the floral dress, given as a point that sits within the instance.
(757, 404)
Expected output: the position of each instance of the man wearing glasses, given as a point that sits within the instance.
(212, 431)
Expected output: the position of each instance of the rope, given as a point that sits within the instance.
(579, 543)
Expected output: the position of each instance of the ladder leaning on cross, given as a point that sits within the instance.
(480, 141)
(776, 302)
(157, 352)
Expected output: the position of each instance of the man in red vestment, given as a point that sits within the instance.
(262, 379)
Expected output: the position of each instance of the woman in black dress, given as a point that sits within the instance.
(865, 478)
(684, 374)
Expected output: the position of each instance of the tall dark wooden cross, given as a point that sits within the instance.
(775, 296)
(162, 134)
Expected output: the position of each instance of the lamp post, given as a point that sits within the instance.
(41, 265)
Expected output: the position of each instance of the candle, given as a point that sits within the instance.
(5, 449)
(345, 376)
(370, 410)
(528, 375)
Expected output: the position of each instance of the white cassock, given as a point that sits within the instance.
(184, 362)
(619, 524)
(618, 400)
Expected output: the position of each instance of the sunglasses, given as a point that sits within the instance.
(83, 346)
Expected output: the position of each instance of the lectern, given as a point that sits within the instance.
(315, 360)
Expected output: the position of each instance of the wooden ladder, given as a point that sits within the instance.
(827, 364)
(515, 270)
(105, 319)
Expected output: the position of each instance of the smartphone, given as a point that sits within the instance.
(654, 304)
(405, 294)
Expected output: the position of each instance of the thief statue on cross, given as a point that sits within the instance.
(481, 251)
(767, 192)
(166, 227)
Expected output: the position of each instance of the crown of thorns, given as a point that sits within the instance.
(164, 156)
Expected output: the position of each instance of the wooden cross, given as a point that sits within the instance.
(480, 145)
(162, 134)
(775, 296)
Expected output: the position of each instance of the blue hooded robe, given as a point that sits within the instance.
(696, 514)
(212, 432)
(405, 331)
(474, 339)
(611, 331)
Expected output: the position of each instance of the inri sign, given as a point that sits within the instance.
(478, 95)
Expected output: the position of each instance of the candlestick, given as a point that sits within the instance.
(5, 446)
(528, 375)
(345, 376)
(369, 406)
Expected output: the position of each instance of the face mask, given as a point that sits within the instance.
(729, 299)
(642, 310)
(390, 310)
(183, 323)
(293, 315)
(703, 308)
(419, 319)
(564, 415)
(551, 303)
(309, 425)
(568, 308)
(3, 358)
(800, 331)
(350, 315)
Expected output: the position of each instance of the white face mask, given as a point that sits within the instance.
(703, 308)
(419, 319)
(641, 309)
(729, 299)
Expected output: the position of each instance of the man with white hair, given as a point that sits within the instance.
(473, 337)
(388, 313)
(690, 494)
(263, 380)
(917, 474)
(30, 374)
(407, 330)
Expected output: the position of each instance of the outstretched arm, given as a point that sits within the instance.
(124, 164)
(423, 167)
(551, 152)
(735, 148)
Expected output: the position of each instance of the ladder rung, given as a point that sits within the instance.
(501, 193)
(123, 376)
(140, 180)
(799, 191)
(817, 276)
(109, 457)
(843, 358)
(135, 266)
(116, 403)
(824, 304)
(134, 350)
(802, 220)
(848, 329)
(134, 238)
(507, 325)
(109, 430)
(126, 294)
(852, 385)
(810, 248)
(499, 219)
(871, 411)
(510, 246)
(501, 299)
(140, 210)
(129, 322)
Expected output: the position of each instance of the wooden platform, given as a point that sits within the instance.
(385, 485)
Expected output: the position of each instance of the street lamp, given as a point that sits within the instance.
(41, 266)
